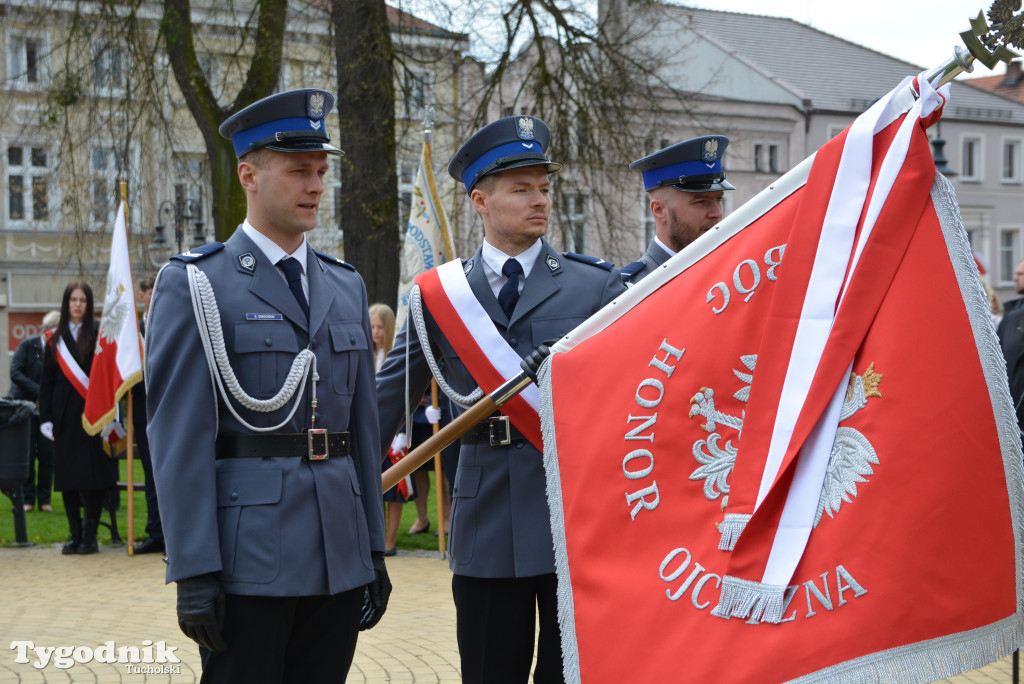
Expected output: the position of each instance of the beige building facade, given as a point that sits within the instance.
(84, 109)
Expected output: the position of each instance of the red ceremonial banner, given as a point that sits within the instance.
(911, 570)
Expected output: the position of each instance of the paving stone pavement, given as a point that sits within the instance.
(53, 600)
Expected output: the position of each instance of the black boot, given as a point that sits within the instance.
(75, 539)
(92, 523)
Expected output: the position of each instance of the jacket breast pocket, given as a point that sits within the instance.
(264, 351)
(553, 328)
(347, 340)
(249, 521)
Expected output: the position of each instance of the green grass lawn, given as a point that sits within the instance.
(52, 528)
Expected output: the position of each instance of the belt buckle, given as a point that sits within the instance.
(505, 432)
(317, 445)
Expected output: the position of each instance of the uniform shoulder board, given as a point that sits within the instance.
(630, 270)
(197, 253)
(333, 260)
(593, 261)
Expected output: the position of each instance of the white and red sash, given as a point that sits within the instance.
(78, 378)
(485, 353)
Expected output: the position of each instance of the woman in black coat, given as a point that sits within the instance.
(82, 471)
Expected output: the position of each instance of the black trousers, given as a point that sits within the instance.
(286, 639)
(153, 527)
(39, 486)
(495, 627)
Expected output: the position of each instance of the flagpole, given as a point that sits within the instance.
(428, 175)
(453, 430)
(130, 476)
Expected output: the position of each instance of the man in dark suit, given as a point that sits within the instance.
(686, 184)
(154, 541)
(264, 445)
(1011, 339)
(26, 371)
(515, 293)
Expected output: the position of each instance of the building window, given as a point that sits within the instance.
(773, 158)
(578, 223)
(759, 158)
(335, 190)
(28, 184)
(107, 168)
(406, 180)
(650, 227)
(416, 91)
(25, 60)
(109, 65)
(1009, 248)
(971, 162)
(1011, 161)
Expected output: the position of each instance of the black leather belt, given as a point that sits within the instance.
(494, 430)
(313, 445)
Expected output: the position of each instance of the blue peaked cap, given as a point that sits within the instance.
(508, 143)
(292, 121)
(691, 166)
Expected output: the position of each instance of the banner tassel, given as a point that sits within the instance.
(731, 527)
(755, 600)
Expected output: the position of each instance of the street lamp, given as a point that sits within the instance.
(941, 163)
(180, 212)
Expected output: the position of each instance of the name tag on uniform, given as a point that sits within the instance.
(264, 317)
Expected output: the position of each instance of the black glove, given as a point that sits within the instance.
(201, 611)
(531, 364)
(375, 600)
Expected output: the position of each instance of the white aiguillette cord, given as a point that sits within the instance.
(204, 304)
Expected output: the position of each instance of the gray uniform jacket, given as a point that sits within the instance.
(500, 525)
(638, 270)
(278, 526)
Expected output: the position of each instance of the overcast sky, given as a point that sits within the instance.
(922, 32)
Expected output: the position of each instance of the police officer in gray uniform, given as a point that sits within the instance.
(501, 547)
(686, 184)
(263, 422)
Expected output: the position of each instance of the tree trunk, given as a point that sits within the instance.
(228, 201)
(366, 114)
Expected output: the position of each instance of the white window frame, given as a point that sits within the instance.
(1014, 178)
(1009, 254)
(109, 174)
(417, 79)
(25, 169)
(650, 225)
(103, 81)
(406, 170)
(17, 74)
(978, 160)
(774, 158)
(758, 156)
(577, 217)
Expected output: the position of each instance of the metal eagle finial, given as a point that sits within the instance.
(1005, 24)
(990, 44)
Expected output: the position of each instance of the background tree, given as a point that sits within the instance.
(366, 91)
(261, 77)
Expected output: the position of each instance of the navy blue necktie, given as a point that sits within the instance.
(293, 272)
(509, 293)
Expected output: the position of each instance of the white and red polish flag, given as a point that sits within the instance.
(117, 363)
(803, 463)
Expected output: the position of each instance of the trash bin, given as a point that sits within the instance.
(15, 442)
